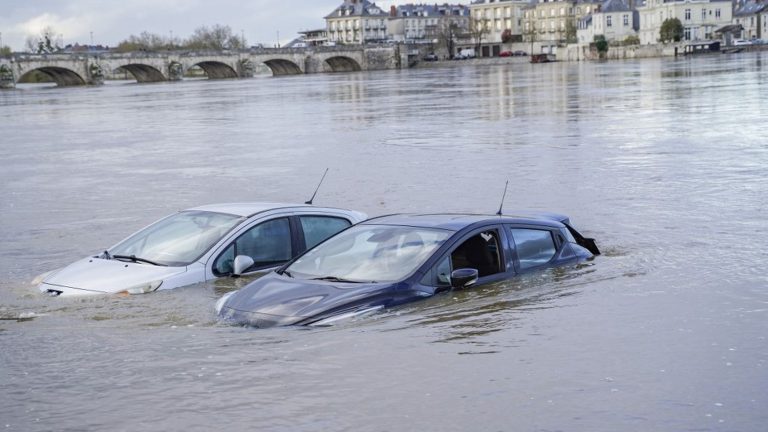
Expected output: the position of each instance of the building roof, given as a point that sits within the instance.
(356, 8)
(614, 6)
(750, 8)
(431, 10)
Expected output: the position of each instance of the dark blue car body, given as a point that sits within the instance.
(508, 246)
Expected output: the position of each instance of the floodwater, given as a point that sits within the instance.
(663, 161)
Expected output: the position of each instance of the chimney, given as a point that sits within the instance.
(393, 11)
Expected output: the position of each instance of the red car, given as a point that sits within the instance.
(505, 54)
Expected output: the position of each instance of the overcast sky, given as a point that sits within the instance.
(111, 21)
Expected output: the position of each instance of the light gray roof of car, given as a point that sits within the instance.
(247, 208)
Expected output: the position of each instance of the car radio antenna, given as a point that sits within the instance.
(317, 188)
(504, 195)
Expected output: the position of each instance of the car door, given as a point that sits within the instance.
(533, 246)
(269, 243)
(483, 249)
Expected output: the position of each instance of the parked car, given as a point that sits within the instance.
(200, 244)
(391, 260)
(741, 42)
(430, 57)
(505, 54)
(467, 53)
(519, 53)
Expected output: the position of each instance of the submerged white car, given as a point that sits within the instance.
(201, 244)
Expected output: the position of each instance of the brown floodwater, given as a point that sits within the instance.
(663, 161)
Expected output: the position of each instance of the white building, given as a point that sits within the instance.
(498, 16)
(356, 22)
(423, 22)
(753, 18)
(700, 18)
(614, 19)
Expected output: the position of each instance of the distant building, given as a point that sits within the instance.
(417, 23)
(614, 19)
(356, 22)
(552, 23)
(753, 17)
(309, 38)
(499, 16)
(700, 18)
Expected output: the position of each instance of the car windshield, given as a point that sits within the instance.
(177, 240)
(369, 253)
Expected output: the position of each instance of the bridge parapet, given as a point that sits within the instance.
(85, 68)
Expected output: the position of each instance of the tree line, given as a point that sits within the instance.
(217, 37)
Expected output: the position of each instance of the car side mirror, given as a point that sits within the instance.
(464, 277)
(241, 264)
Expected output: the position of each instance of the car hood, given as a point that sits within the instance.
(280, 300)
(95, 275)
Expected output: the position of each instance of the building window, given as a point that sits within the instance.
(609, 21)
(687, 15)
(717, 13)
(687, 33)
(703, 14)
(626, 20)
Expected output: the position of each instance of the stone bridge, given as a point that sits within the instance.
(90, 69)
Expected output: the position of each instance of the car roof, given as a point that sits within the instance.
(247, 209)
(457, 221)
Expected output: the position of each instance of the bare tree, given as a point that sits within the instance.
(446, 36)
(143, 42)
(43, 43)
(478, 29)
(217, 37)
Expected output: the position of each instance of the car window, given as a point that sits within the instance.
(268, 244)
(319, 228)
(481, 252)
(534, 247)
(440, 275)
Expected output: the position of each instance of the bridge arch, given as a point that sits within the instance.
(61, 76)
(283, 67)
(143, 73)
(217, 70)
(343, 64)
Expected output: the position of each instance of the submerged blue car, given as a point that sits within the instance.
(391, 260)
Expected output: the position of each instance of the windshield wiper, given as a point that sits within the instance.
(134, 258)
(106, 255)
(335, 279)
(286, 272)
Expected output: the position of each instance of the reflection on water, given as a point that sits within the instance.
(663, 161)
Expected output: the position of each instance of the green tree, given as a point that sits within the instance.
(570, 30)
(506, 36)
(5, 50)
(601, 45)
(671, 30)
